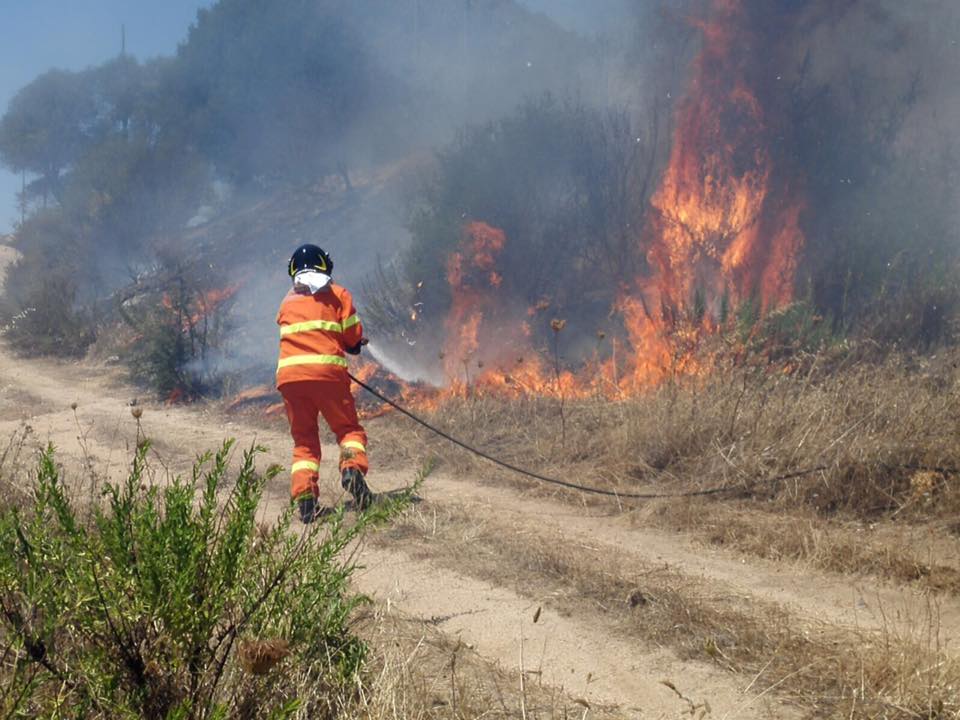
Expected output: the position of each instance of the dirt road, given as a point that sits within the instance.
(567, 652)
(578, 653)
(436, 570)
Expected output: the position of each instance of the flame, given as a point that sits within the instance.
(473, 285)
(725, 226)
(715, 208)
(205, 302)
(723, 229)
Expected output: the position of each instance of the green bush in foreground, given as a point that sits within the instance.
(171, 601)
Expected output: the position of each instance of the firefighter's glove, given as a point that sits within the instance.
(355, 350)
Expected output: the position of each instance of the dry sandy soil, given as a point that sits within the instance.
(567, 596)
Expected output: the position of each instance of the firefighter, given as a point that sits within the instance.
(318, 325)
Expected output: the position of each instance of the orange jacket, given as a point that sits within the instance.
(315, 332)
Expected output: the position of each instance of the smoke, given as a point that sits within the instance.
(884, 50)
(444, 65)
(600, 17)
(405, 78)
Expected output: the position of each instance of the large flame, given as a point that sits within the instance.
(474, 283)
(724, 225)
(723, 230)
(719, 227)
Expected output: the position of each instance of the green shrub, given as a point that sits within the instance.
(170, 601)
(46, 320)
(48, 323)
(45, 311)
(789, 330)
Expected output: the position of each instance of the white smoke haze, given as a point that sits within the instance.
(596, 17)
(441, 65)
(439, 51)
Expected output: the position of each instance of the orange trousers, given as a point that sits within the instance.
(304, 402)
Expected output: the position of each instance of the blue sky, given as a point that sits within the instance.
(74, 34)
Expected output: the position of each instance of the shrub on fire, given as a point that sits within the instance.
(178, 335)
(521, 216)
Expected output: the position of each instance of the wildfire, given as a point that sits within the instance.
(725, 225)
(204, 303)
(473, 283)
(723, 229)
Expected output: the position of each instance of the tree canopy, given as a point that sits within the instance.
(47, 126)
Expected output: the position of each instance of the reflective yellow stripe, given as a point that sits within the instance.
(351, 321)
(304, 465)
(355, 445)
(310, 325)
(312, 360)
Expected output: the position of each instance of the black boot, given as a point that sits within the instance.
(354, 483)
(308, 509)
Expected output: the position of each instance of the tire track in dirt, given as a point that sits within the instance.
(562, 652)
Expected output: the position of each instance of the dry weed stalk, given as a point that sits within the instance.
(410, 679)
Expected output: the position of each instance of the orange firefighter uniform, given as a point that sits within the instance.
(315, 332)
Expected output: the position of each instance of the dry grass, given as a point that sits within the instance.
(417, 673)
(920, 553)
(876, 443)
(13, 464)
(902, 671)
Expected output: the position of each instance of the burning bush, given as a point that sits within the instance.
(562, 183)
(178, 335)
(529, 214)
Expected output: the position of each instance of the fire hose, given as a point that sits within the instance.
(571, 485)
